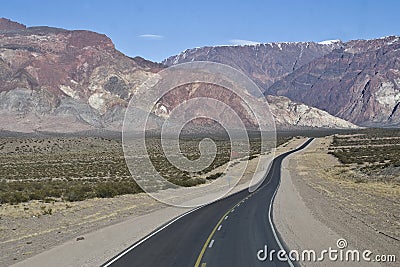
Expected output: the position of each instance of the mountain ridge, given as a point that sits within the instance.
(76, 80)
(277, 70)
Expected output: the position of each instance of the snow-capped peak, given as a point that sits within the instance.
(329, 42)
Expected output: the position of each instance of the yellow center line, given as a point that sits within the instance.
(203, 250)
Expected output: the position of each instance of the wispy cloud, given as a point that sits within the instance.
(242, 42)
(151, 36)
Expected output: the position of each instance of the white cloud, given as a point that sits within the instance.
(151, 36)
(242, 42)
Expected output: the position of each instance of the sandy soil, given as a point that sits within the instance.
(315, 206)
(87, 233)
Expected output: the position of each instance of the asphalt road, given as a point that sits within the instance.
(228, 232)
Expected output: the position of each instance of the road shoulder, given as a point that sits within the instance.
(307, 218)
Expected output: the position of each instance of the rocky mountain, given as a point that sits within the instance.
(289, 114)
(67, 81)
(286, 113)
(357, 81)
(263, 63)
(59, 80)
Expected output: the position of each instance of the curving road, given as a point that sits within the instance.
(228, 232)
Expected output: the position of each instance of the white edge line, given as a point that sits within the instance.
(211, 244)
(272, 225)
(190, 211)
(270, 220)
(149, 236)
(159, 230)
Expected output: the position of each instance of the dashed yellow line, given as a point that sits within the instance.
(203, 250)
(224, 217)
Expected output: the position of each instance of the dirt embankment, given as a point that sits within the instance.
(316, 205)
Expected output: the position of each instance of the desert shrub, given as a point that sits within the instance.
(189, 182)
(13, 197)
(214, 176)
(375, 151)
(77, 192)
(46, 211)
(128, 187)
(75, 169)
(104, 190)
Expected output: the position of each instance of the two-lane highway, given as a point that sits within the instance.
(228, 232)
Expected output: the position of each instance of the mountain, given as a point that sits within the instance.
(358, 81)
(58, 80)
(289, 114)
(286, 113)
(61, 80)
(263, 63)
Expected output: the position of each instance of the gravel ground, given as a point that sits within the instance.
(89, 232)
(326, 207)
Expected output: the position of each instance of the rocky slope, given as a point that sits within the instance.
(67, 81)
(286, 113)
(357, 81)
(59, 80)
(289, 114)
(263, 63)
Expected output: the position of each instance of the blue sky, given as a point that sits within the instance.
(158, 29)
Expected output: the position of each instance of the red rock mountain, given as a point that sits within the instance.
(8, 25)
(358, 81)
(60, 80)
(263, 63)
(286, 113)
(67, 81)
